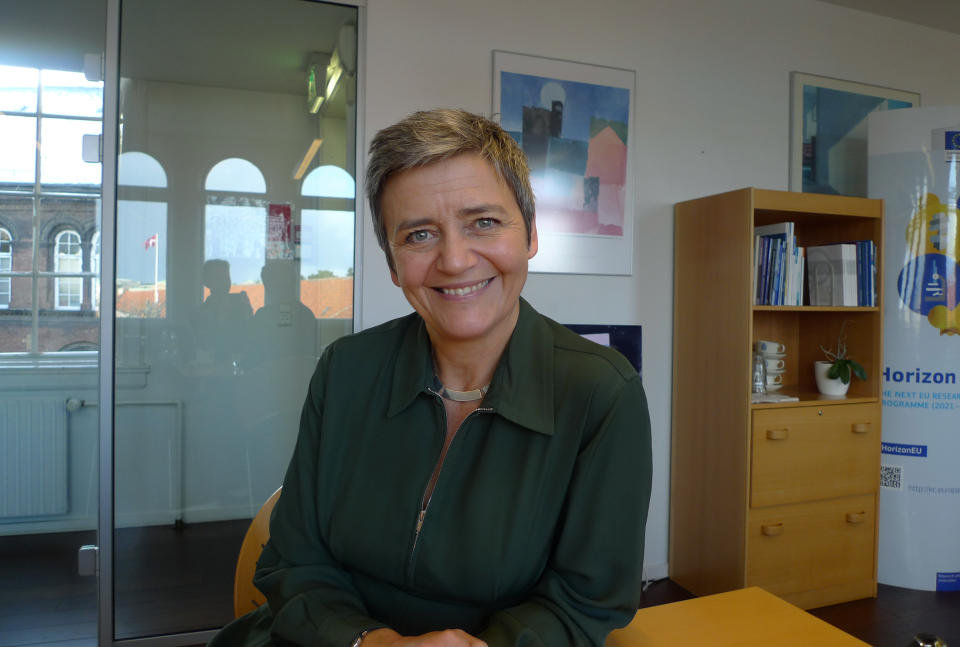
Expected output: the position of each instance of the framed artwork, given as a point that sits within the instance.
(828, 131)
(575, 123)
(627, 339)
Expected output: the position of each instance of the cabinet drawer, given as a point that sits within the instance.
(795, 548)
(807, 453)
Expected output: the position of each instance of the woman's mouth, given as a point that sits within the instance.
(459, 292)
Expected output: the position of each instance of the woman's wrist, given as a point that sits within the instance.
(378, 637)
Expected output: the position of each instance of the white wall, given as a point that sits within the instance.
(712, 114)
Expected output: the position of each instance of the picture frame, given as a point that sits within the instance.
(627, 339)
(575, 122)
(828, 131)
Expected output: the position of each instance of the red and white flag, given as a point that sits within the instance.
(151, 242)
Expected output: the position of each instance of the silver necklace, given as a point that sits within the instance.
(464, 396)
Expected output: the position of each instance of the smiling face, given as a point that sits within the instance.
(459, 247)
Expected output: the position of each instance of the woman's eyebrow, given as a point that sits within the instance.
(470, 210)
(487, 207)
(413, 223)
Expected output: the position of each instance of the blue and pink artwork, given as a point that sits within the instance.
(575, 137)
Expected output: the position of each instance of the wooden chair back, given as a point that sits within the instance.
(246, 597)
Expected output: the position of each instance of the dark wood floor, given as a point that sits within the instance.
(179, 580)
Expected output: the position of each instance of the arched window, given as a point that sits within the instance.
(327, 223)
(235, 219)
(139, 169)
(68, 259)
(142, 243)
(6, 265)
(329, 181)
(235, 174)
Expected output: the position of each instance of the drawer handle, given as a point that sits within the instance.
(777, 434)
(771, 530)
(860, 427)
(856, 517)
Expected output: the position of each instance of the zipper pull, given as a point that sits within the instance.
(420, 517)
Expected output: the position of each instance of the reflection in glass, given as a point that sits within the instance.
(327, 243)
(329, 181)
(141, 267)
(236, 175)
(237, 235)
(139, 169)
(215, 247)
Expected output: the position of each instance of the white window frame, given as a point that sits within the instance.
(39, 272)
(6, 265)
(74, 298)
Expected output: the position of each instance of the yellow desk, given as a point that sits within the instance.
(741, 618)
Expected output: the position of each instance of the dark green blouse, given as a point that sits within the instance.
(534, 533)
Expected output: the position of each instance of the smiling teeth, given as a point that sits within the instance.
(462, 291)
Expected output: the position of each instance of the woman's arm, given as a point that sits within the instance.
(448, 638)
(593, 579)
(312, 598)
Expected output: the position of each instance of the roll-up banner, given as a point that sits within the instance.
(914, 166)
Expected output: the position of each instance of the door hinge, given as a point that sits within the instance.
(88, 560)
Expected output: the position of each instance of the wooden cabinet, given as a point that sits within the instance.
(784, 495)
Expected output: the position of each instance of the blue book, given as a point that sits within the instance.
(784, 232)
(764, 270)
(861, 272)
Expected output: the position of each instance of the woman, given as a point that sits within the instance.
(473, 473)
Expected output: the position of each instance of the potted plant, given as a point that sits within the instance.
(833, 375)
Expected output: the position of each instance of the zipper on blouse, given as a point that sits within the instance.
(438, 468)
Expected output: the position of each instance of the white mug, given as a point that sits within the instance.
(774, 364)
(771, 347)
(774, 378)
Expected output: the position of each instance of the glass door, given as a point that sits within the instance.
(234, 268)
(51, 119)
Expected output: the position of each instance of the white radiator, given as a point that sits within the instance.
(33, 457)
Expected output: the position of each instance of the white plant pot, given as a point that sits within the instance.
(828, 386)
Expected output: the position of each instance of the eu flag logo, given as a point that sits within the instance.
(952, 140)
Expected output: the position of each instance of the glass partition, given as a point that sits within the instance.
(231, 279)
(50, 201)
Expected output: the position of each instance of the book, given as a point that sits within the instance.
(861, 272)
(775, 269)
(832, 274)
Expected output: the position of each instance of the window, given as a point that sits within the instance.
(235, 221)
(142, 242)
(6, 264)
(326, 241)
(49, 206)
(95, 270)
(68, 257)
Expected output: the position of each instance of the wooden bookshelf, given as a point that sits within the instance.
(813, 545)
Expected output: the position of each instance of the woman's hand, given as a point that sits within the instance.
(446, 638)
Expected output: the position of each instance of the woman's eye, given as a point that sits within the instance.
(419, 236)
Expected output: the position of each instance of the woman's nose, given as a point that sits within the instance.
(456, 254)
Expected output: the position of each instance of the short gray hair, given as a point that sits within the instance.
(433, 135)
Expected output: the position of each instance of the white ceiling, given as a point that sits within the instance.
(240, 44)
(938, 14)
